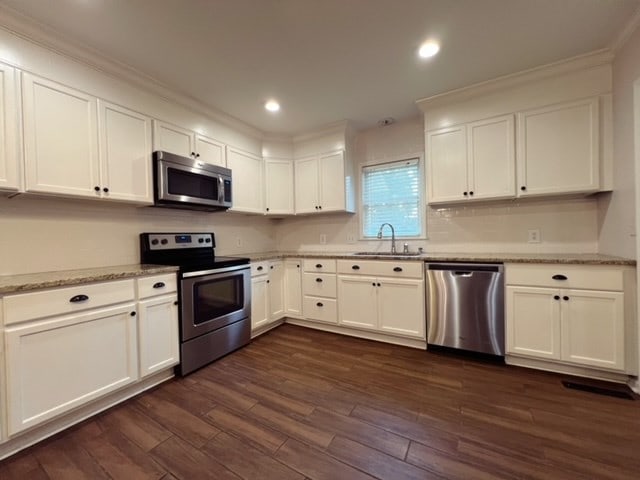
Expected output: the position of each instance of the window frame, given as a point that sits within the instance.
(421, 197)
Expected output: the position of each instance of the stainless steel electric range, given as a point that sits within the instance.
(214, 295)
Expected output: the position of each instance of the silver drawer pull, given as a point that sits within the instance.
(79, 298)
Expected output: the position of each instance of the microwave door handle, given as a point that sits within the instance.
(220, 190)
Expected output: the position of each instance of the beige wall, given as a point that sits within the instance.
(566, 225)
(616, 210)
(43, 234)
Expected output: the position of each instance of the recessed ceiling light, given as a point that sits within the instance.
(272, 106)
(428, 49)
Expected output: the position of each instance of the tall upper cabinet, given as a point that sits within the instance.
(549, 129)
(96, 149)
(247, 192)
(9, 160)
(324, 172)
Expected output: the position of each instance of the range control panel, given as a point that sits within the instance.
(173, 241)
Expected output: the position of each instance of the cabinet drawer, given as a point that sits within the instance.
(321, 309)
(567, 276)
(319, 284)
(259, 268)
(320, 265)
(381, 268)
(157, 285)
(28, 306)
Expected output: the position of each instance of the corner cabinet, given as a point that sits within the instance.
(279, 187)
(246, 170)
(182, 141)
(62, 154)
(9, 137)
(559, 149)
(293, 287)
(323, 184)
(474, 161)
(571, 314)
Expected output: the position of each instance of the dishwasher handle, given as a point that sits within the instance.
(465, 270)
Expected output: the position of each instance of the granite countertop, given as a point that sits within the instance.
(552, 258)
(63, 278)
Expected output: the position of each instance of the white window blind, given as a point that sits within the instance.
(391, 194)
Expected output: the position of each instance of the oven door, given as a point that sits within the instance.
(210, 300)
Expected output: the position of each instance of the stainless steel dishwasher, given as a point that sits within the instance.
(465, 306)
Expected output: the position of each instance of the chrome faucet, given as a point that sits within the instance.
(393, 236)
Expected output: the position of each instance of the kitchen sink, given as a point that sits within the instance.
(389, 254)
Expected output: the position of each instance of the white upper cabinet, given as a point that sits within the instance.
(184, 142)
(474, 161)
(322, 184)
(558, 149)
(60, 139)
(278, 186)
(125, 154)
(447, 164)
(9, 159)
(491, 163)
(246, 170)
(210, 151)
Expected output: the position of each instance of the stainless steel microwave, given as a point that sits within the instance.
(187, 183)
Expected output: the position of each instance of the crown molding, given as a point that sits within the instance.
(46, 37)
(623, 36)
(580, 62)
(341, 126)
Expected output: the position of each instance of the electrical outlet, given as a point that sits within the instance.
(238, 242)
(351, 238)
(323, 239)
(534, 235)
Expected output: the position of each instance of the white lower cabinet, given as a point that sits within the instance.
(158, 334)
(58, 364)
(267, 293)
(319, 290)
(386, 304)
(293, 287)
(583, 326)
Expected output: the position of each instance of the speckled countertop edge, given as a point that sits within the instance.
(551, 258)
(64, 278)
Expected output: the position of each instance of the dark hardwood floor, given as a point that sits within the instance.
(303, 404)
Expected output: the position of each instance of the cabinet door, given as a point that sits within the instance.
(158, 334)
(259, 302)
(306, 185)
(210, 151)
(593, 328)
(357, 302)
(247, 181)
(62, 363)
(533, 322)
(279, 187)
(9, 159)
(332, 186)
(491, 166)
(125, 154)
(174, 139)
(558, 149)
(401, 307)
(447, 164)
(276, 290)
(61, 149)
(293, 288)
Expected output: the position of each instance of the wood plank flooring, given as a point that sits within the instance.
(302, 404)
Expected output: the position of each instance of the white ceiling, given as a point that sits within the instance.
(329, 60)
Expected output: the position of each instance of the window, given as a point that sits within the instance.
(391, 194)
